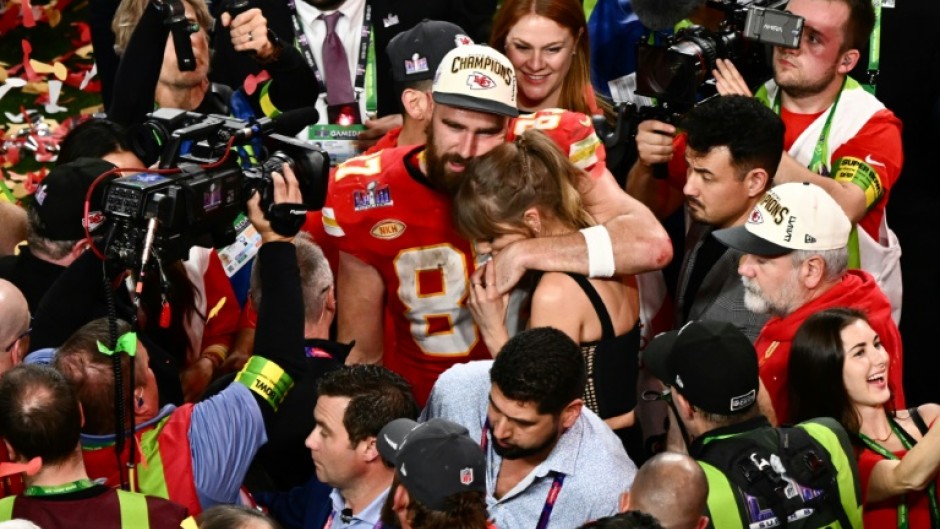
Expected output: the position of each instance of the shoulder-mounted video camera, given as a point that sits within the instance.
(674, 72)
(197, 204)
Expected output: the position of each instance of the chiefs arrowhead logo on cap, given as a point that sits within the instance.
(95, 219)
(480, 81)
(755, 217)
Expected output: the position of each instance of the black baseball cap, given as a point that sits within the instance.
(415, 54)
(712, 364)
(59, 201)
(434, 460)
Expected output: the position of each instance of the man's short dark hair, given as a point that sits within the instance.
(752, 132)
(541, 365)
(93, 138)
(91, 373)
(860, 24)
(625, 520)
(377, 396)
(39, 414)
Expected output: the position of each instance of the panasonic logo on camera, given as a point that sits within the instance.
(770, 27)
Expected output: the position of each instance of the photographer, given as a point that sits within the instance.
(151, 75)
(838, 136)
(192, 454)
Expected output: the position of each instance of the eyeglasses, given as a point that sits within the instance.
(25, 333)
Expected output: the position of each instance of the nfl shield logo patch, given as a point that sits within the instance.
(466, 476)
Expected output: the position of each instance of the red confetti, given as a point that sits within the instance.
(10, 18)
(84, 32)
(31, 74)
(29, 21)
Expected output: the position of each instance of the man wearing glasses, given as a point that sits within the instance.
(757, 474)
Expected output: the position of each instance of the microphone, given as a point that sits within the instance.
(346, 515)
(289, 123)
(659, 15)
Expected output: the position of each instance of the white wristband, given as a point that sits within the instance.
(600, 252)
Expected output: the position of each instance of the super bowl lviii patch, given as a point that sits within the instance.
(863, 174)
(373, 196)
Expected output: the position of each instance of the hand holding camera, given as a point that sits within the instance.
(286, 215)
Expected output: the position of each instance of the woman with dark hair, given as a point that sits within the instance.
(839, 369)
(524, 189)
(547, 43)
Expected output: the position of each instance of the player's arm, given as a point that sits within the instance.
(360, 306)
(639, 241)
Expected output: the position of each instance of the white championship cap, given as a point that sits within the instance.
(478, 78)
(792, 216)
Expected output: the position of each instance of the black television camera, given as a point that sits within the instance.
(197, 202)
(675, 72)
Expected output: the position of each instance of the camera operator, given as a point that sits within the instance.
(838, 136)
(193, 454)
(150, 75)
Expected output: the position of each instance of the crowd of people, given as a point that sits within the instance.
(474, 331)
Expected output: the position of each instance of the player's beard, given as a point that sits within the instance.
(436, 164)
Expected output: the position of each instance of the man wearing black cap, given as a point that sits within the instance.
(415, 55)
(55, 232)
(756, 473)
(439, 476)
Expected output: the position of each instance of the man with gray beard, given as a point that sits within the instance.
(795, 243)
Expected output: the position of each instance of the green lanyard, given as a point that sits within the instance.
(874, 50)
(38, 490)
(819, 164)
(907, 443)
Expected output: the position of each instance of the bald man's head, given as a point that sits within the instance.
(14, 324)
(673, 488)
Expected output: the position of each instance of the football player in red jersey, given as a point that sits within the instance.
(391, 214)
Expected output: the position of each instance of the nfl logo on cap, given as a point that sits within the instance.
(466, 476)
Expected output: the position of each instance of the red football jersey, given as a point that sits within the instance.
(573, 132)
(382, 210)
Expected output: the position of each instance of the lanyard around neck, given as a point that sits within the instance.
(907, 442)
(39, 490)
(819, 163)
(874, 50)
(553, 492)
(365, 67)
